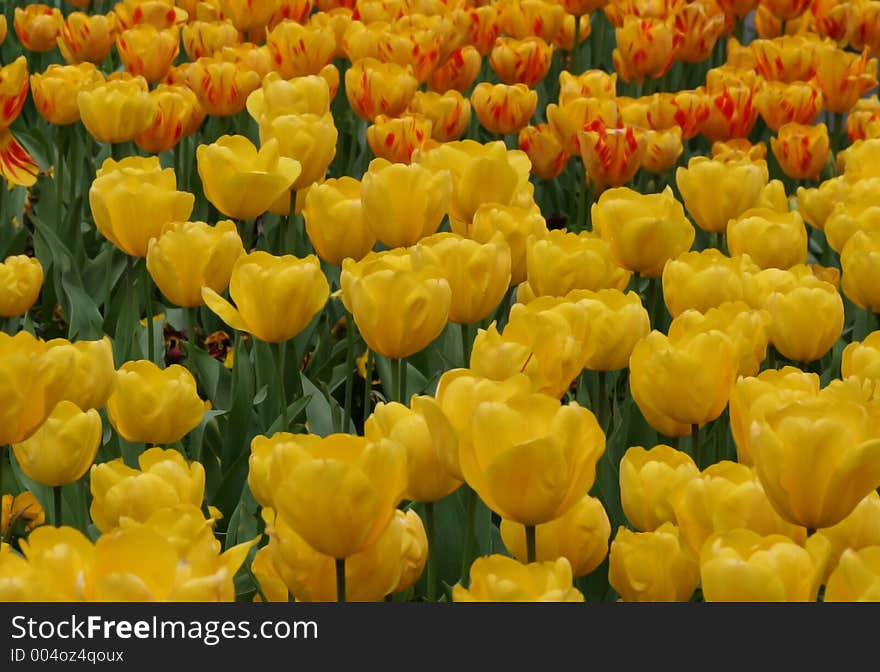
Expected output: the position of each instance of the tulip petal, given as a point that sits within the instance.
(16, 165)
(223, 309)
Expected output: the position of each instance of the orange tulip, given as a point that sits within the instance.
(503, 108)
(844, 77)
(178, 115)
(662, 149)
(801, 150)
(16, 165)
(645, 48)
(589, 84)
(418, 49)
(732, 113)
(300, 50)
(780, 103)
(38, 27)
(450, 113)
(375, 88)
(222, 87)
(785, 59)
(611, 156)
(544, 150)
(480, 26)
(568, 120)
(700, 29)
(524, 61)
(87, 38)
(148, 52)
(396, 138)
(458, 72)
(14, 86)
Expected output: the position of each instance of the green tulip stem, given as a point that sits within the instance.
(148, 309)
(465, 345)
(349, 368)
(470, 537)
(56, 501)
(398, 382)
(59, 181)
(603, 401)
(432, 552)
(340, 579)
(531, 544)
(191, 320)
(368, 384)
(695, 444)
(280, 352)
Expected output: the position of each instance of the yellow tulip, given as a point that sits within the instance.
(242, 181)
(308, 139)
(652, 566)
(714, 191)
(403, 204)
(30, 386)
(503, 108)
(278, 97)
(338, 493)
(567, 120)
(772, 239)
(580, 536)
(153, 405)
(517, 224)
(787, 443)
(395, 139)
(165, 479)
(192, 255)
(385, 567)
(649, 481)
(646, 47)
(644, 231)
(752, 398)
(561, 262)
(259, 283)
(459, 392)
(727, 496)
(817, 203)
(134, 200)
(860, 529)
(530, 458)
(662, 150)
(856, 577)
(525, 61)
(334, 218)
(63, 448)
(271, 583)
(806, 321)
(496, 578)
(860, 160)
(745, 326)
(587, 84)
(425, 432)
(478, 274)
(204, 38)
(862, 358)
(399, 307)
(742, 566)
(62, 558)
(116, 110)
(21, 278)
(859, 261)
(687, 380)
(481, 174)
(704, 280)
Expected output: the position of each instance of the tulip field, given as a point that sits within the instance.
(439, 300)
